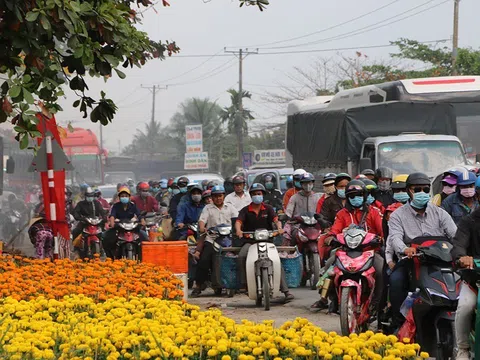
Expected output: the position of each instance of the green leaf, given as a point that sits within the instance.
(45, 23)
(15, 90)
(27, 95)
(78, 53)
(75, 6)
(31, 16)
(26, 78)
(76, 103)
(120, 74)
(24, 141)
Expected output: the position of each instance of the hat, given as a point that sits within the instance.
(450, 179)
(124, 189)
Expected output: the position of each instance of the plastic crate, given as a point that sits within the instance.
(227, 271)
(293, 268)
(173, 255)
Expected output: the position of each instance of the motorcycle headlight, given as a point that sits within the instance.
(261, 235)
(128, 226)
(150, 222)
(302, 237)
(225, 230)
(353, 241)
(94, 221)
(309, 220)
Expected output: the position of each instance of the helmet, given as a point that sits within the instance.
(218, 189)
(97, 192)
(257, 187)
(204, 183)
(124, 189)
(163, 183)
(238, 180)
(361, 176)
(211, 184)
(182, 181)
(196, 187)
(368, 172)
(417, 178)
(83, 186)
(89, 192)
(466, 178)
(454, 171)
(290, 179)
(267, 178)
(143, 186)
(342, 176)
(191, 184)
(329, 179)
(170, 182)
(370, 185)
(356, 187)
(307, 177)
(384, 172)
(130, 182)
(298, 174)
(477, 183)
(206, 193)
(450, 179)
(399, 181)
(68, 190)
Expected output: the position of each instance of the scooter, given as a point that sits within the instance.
(91, 236)
(306, 237)
(151, 220)
(354, 277)
(127, 239)
(263, 267)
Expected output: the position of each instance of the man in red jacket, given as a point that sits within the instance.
(144, 201)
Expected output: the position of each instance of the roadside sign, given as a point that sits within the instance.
(194, 138)
(269, 157)
(247, 160)
(196, 161)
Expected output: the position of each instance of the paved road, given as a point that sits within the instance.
(241, 307)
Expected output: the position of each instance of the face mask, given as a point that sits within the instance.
(257, 199)
(401, 197)
(183, 190)
(176, 191)
(269, 185)
(329, 190)
(124, 200)
(341, 193)
(155, 189)
(467, 193)
(384, 185)
(196, 198)
(449, 189)
(170, 190)
(297, 184)
(356, 202)
(370, 199)
(145, 193)
(420, 200)
(89, 198)
(307, 187)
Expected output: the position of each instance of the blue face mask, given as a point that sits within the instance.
(124, 200)
(89, 198)
(420, 200)
(183, 190)
(269, 185)
(176, 191)
(170, 190)
(257, 199)
(341, 193)
(401, 197)
(356, 202)
(370, 199)
(297, 184)
(155, 189)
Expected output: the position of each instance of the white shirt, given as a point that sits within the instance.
(238, 202)
(212, 216)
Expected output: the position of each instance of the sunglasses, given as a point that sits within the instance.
(398, 190)
(425, 189)
(353, 195)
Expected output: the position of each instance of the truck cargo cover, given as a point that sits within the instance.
(334, 136)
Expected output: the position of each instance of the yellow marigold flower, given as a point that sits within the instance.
(226, 357)
(424, 355)
(273, 352)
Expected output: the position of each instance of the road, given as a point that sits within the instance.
(241, 307)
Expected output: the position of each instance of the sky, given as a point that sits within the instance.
(205, 28)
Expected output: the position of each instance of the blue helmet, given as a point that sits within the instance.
(163, 183)
(466, 178)
(477, 183)
(256, 187)
(307, 177)
(218, 189)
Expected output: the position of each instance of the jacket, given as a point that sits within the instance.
(188, 212)
(288, 195)
(331, 206)
(320, 203)
(274, 199)
(454, 205)
(88, 209)
(163, 196)
(346, 217)
(174, 202)
(300, 203)
(148, 204)
(385, 197)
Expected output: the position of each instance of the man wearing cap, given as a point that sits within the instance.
(464, 200)
(189, 211)
(219, 212)
(297, 176)
(239, 198)
(328, 183)
(449, 185)
(337, 201)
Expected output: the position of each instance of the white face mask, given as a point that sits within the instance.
(329, 189)
(449, 189)
(307, 187)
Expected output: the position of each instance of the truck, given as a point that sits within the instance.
(359, 129)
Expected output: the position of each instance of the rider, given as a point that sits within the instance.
(371, 188)
(272, 196)
(384, 193)
(465, 249)
(328, 183)
(219, 212)
(297, 176)
(123, 210)
(289, 182)
(419, 217)
(144, 201)
(155, 187)
(101, 200)
(239, 198)
(41, 235)
(336, 202)
(449, 184)
(181, 184)
(399, 188)
(189, 211)
(257, 215)
(464, 200)
(87, 208)
(207, 197)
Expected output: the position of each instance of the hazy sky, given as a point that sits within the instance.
(205, 28)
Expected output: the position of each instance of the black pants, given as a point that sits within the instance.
(205, 264)
(109, 242)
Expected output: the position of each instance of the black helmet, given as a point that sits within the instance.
(370, 185)
(357, 188)
(257, 187)
(329, 177)
(342, 176)
(196, 187)
(239, 179)
(417, 178)
(98, 193)
(368, 172)
(182, 181)
(307, 177)
(384, 172)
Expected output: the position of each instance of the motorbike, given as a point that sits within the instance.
(151, 220)
(263, 267)
(11, 226)
(223, 238)
(128, 240)
(192, 233)
(354, 277)
(306, 237)
(91, 236)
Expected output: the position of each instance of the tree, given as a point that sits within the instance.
(45, 44)
(237, 118)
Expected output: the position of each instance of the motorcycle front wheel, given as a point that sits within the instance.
(348, 322)
(266, 289)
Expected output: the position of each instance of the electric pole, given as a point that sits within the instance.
(455, 36)
(153, 89)
(241, 54)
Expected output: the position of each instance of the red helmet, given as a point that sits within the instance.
(170, 182)
(143, 186)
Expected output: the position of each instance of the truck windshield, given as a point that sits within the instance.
(430, 157)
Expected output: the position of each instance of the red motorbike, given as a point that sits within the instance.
(354, 277)
(306, 237)
(91, 236)
(128, 239)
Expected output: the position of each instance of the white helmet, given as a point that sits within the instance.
(298, 174)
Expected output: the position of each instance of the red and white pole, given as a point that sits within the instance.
(51, 188)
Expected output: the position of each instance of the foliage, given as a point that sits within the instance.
(269, 138)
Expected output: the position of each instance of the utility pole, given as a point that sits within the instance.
(455, 36)
(241, 54)
(153, 89)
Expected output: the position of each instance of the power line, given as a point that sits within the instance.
(214, 72)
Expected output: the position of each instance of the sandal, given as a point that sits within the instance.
(319, 305)
(195, 293)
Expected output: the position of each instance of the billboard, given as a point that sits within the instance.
(193, 138)
(269, 157)
(196, 161)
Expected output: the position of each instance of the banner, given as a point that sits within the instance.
(196, 161)
(269, 157)
(194, 138)
(247, 159)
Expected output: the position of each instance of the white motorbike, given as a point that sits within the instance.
(263, 267)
